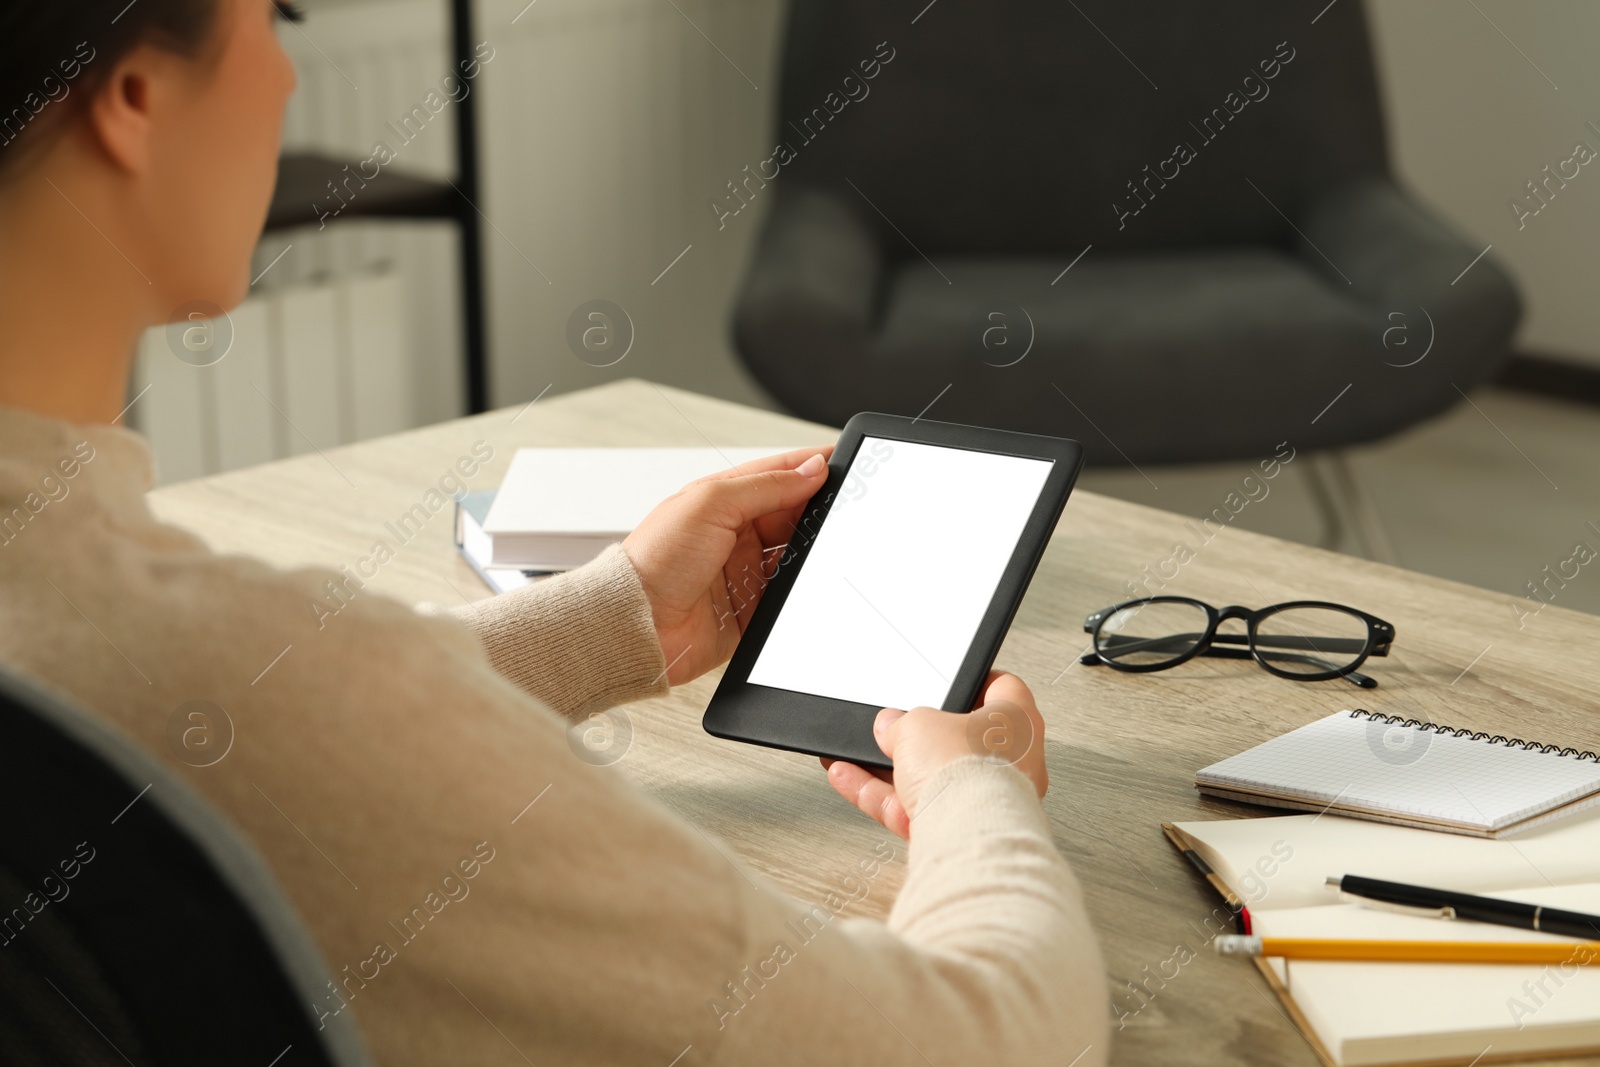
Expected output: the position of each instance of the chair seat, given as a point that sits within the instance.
(1128, 305)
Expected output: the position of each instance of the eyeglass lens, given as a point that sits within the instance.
(1145, 635)
(1311, 640)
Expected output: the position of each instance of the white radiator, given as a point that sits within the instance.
(305, 367)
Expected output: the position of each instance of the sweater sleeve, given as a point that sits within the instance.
(580, 642)
(987, 956)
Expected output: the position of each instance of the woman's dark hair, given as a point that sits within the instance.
(55, 53)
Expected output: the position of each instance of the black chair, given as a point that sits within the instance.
(919, 236)
(137, 926)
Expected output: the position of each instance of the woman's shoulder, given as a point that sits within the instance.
(153, 586)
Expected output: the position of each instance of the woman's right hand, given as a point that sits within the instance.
(1005, 724)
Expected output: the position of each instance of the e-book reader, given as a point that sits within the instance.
(898, 583)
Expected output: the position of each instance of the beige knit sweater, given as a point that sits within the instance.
(480, 895)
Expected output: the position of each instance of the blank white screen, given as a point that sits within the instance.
(901, 573)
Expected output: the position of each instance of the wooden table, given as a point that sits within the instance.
(1122, 748)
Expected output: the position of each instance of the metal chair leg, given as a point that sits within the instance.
(1344, 504)
(1327, 508)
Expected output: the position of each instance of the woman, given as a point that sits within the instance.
(386, 763)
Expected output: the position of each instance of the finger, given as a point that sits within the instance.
(737, 502)
(871, 794)
(877, 772)
(1008, 691)
(1003, 686)
(783, 461)
(745, 576)
(1008, 703)
(895, 818)
(781, 528)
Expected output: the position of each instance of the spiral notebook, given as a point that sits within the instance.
(1391, 769)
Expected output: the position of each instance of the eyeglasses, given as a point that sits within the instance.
(1307, 640)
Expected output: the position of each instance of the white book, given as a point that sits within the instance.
(1361, 1013)
(558, 508)
(476, 549)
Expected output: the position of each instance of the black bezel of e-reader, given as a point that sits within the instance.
(842, 729)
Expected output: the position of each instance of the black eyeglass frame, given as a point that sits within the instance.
(1380, 635)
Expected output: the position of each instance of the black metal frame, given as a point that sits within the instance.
(302, 179)
(1380, 635)
(470, 222)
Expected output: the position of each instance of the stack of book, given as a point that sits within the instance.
(558, 508)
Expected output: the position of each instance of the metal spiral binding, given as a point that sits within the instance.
(1477, 735)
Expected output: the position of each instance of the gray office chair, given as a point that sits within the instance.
(997, 228)
(137, 925)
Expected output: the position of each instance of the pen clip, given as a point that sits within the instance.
(1399, 909)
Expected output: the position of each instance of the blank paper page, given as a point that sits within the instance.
(1382, 1013)
(903, 569)
(1345, 761)
(1282, 862)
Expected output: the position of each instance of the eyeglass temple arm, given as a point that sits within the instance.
(1220, 644)
(1124, 643)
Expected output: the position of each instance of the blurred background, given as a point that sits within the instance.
(575, 191)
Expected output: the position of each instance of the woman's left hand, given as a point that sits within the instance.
(703, 553)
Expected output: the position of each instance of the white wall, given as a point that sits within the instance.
(610, 126)
(1471, 121)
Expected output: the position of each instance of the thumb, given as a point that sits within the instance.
(886, 729)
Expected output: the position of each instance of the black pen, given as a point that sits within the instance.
(1241, 913)
(1467, 906)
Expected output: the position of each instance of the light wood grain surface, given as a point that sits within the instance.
(1122, 748)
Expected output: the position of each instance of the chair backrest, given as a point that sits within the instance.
(1025, 126)
(135, 924)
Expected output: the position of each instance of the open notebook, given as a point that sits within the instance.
(1392, 1013)
(1381, 767)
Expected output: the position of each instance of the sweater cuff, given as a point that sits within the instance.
(975, 796)
(581, 642)
(980, 827)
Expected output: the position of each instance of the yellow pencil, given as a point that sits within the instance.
(1310, 948)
